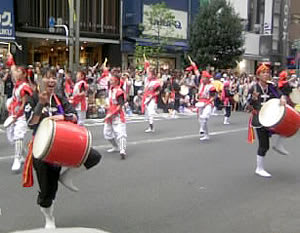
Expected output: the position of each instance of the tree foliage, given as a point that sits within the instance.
(216, 35)
(157, 28)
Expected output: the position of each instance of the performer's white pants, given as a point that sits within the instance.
(17, 130)
(203, 116)
(116, 130)
(150, 111)
(81, 116)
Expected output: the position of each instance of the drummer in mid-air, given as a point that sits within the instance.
(39, 106)
(259, 94)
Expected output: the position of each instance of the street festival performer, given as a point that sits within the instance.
(79, 97)
(151, 93)
(205, 98)
(15, 124)
(259, 94)
(43, 106)
(115, 123)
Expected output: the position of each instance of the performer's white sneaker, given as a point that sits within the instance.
(278, 147)
(149, 130)
(263, 173)
(16, 167)
(113, 149)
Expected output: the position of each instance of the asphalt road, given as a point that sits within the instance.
(170, 183)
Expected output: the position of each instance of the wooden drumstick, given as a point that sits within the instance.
(9, 48)
(191, 61)
(144, 57)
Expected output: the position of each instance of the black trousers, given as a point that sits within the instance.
(263, 135)
(227, 111)
(48, 175)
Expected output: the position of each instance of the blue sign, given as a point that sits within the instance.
(7, 21)
(51, 22)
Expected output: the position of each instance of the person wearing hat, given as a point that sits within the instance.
(205, 104)
(259, 94)
(79, 97)
(17, 129)
(284, 86)
(114, 123)
(150, 97)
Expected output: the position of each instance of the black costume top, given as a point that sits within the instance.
(264, 95)
(65, 109)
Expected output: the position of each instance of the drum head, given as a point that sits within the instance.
(271, 113)
(43, 138)
(9, 120)
(184, 90)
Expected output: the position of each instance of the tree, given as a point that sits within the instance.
(157, 28)
(217, 35)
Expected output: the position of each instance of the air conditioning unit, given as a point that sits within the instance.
(257, 28)
(59, 21)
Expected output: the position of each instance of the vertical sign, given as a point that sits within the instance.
(7, 21)
(268, 17)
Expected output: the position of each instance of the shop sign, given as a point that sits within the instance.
(7, 22)
(179, 26)
(268, 17)
(285, 21)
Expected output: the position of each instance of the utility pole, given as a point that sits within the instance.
(71, 33)
(77, 47)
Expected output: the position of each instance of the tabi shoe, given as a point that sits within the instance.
(17, 164)
(260, 167)
(226, 121)
(280, 149)
(123, 154)
(149, 130)
(113, 149)
(49, 218)
(66, 178)
(262, 172)
(205, 137)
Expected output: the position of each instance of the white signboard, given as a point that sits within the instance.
(180, 29)
(268, 17)
(240, 7)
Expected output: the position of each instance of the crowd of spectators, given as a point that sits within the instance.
(178, 92)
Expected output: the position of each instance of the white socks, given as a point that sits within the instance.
(49, 218)
(260, 167)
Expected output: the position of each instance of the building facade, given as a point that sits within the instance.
(99, 31)
(266, 32)
(134, 15)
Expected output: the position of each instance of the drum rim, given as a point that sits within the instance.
(46, 152)
(87, 149)
(283, 114)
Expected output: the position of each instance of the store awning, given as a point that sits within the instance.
(173, 46)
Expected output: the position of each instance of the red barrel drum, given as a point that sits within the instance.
(283, 120)
(61, 142)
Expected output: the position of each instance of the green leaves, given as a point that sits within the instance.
(216, 36)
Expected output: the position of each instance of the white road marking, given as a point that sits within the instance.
(157, 140)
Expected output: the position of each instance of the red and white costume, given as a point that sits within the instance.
(80, 101)
(17, 130)
(150, 98)
(115, 127)
(204, 105)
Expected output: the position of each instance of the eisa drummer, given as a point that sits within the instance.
(259, 94)
(48, 104)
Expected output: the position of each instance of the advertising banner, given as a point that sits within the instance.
(7, 21)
